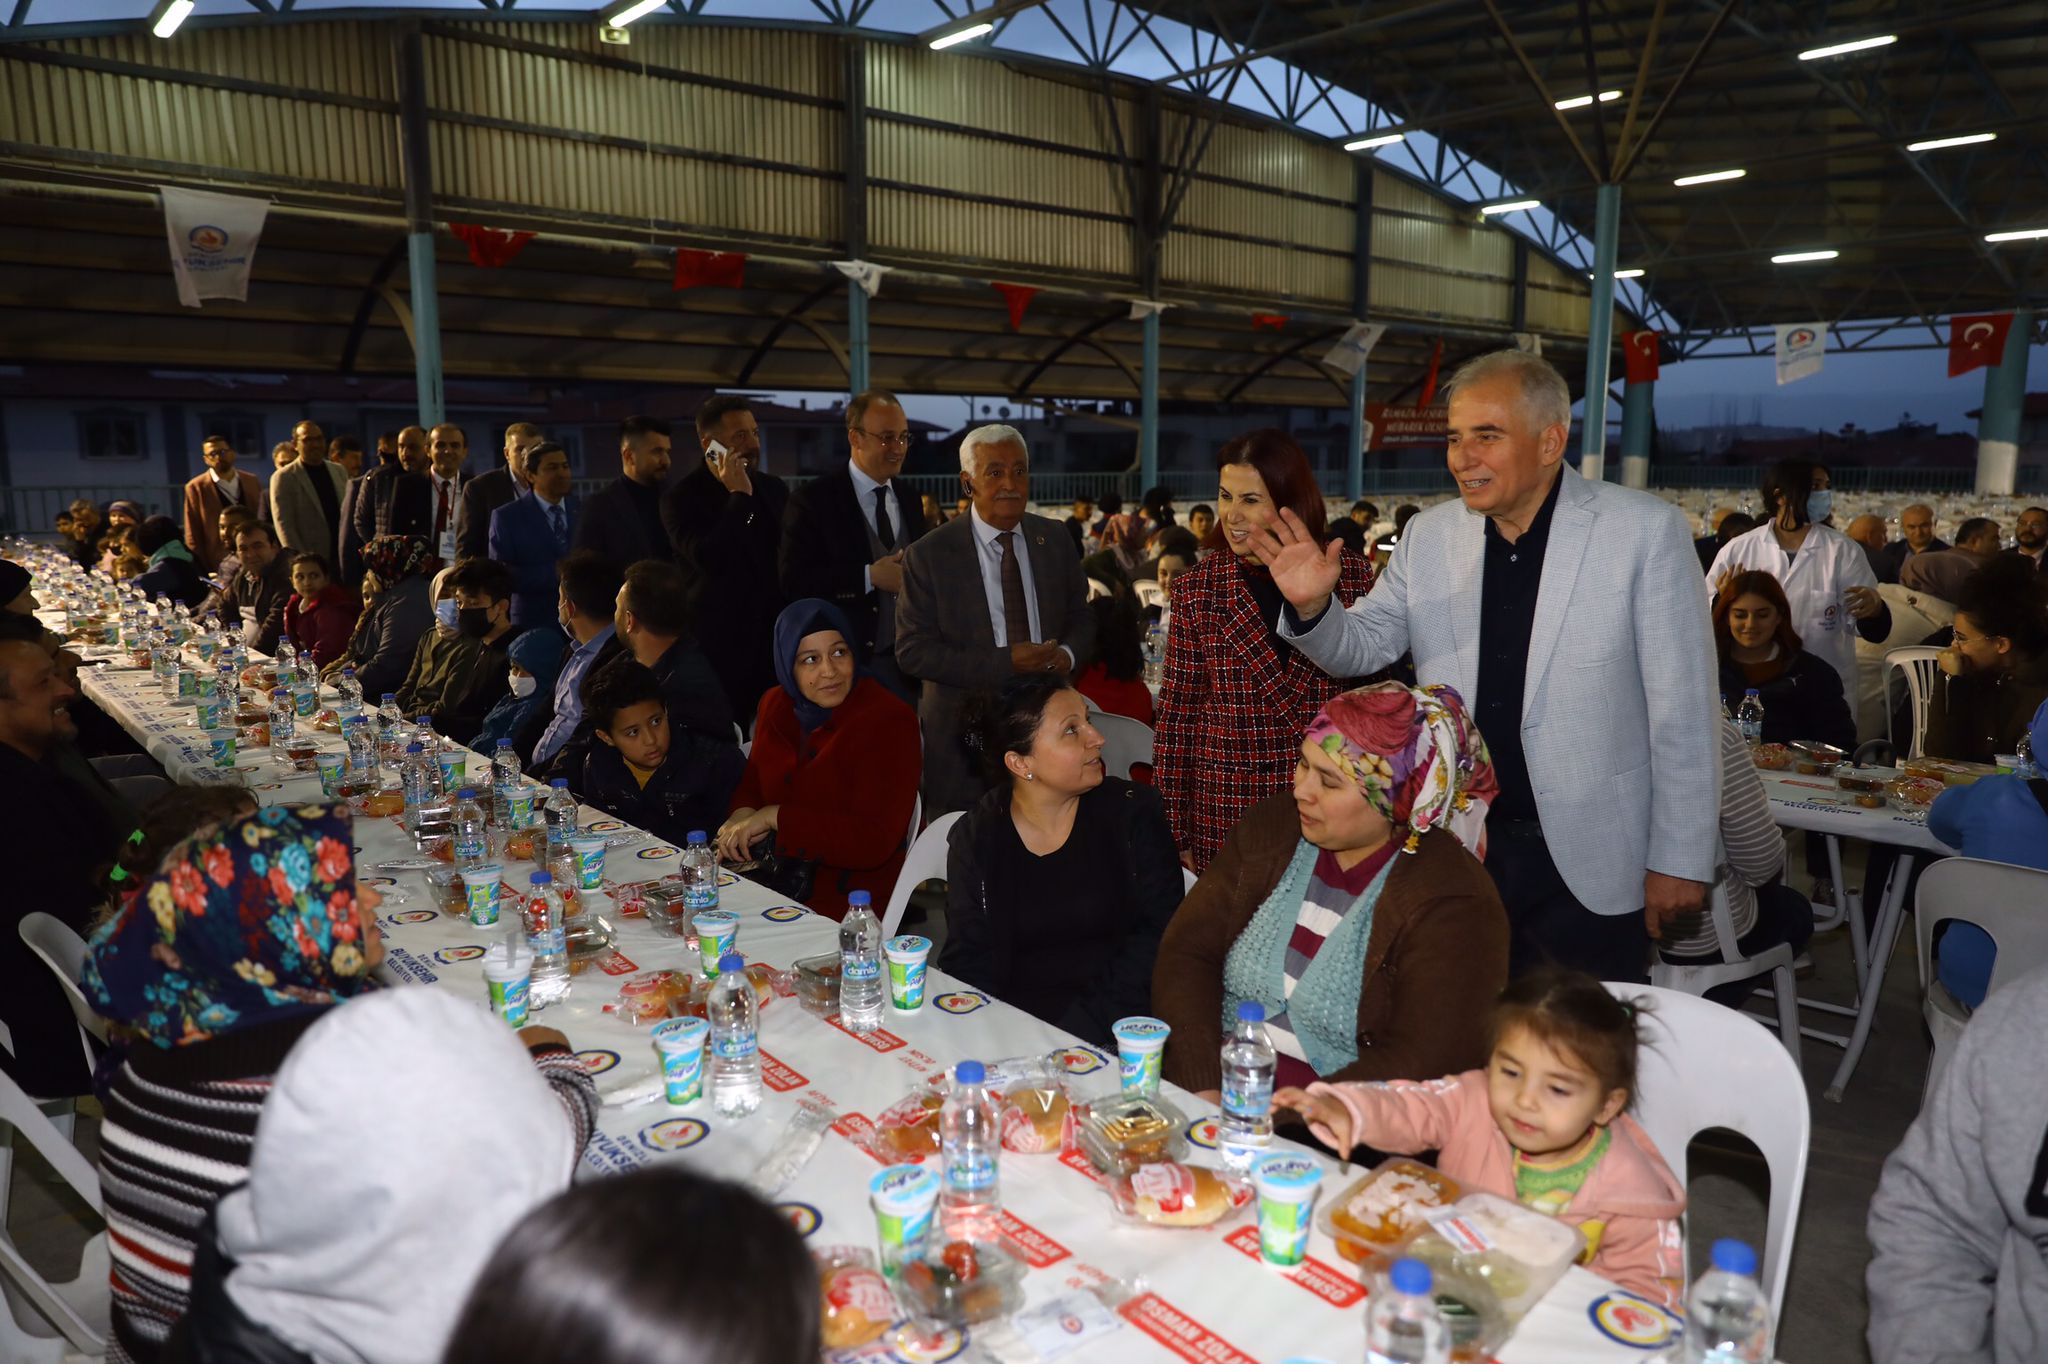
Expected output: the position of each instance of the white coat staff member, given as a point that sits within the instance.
(1826, 575)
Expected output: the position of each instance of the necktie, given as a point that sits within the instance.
(884, 532)
(560, 524)
(1016, 615)
(440, 511)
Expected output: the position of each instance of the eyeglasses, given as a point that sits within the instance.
(902, 440)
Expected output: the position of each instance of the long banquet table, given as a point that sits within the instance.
(1201, 1295)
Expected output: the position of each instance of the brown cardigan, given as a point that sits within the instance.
(1437, 958)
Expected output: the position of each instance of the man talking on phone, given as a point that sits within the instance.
(724, 518)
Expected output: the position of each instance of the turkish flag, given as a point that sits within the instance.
(1268, 322)
(1639, 355)
(488, 246)
(1976, 341)
(1018, 297)
(1436, 359)
(723, 269)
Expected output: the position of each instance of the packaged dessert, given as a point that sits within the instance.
(1914, 794)
(1125, 1131)
(1773, 757)
(1814, 759)
(908, 1130)
(855, 1301)
(1038, 1115)
(1493, 1257)
(817, 984)
(964, 1283)
(1167, 1193)
(1949, 771)
(1378, 1212)
(1864, 778)
(648, 997)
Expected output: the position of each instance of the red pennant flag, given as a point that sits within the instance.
(1640, 356)
(488, 246)
(1976, 341)
(1268, 322)
(1436, 358)
(1018, 297)
(721, 269)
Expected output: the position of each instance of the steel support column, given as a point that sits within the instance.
(1148, 408)
(854, 161)
(1638, 421)
(856, 338)
(416, 156)
(2005, 396)
(1361, 300)
(1600, 333)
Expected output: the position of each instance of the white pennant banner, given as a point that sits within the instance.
(1800, 348)
(1531, 342)
(1352, 348)
(213, 242)
(1142, 308)
(866, 274)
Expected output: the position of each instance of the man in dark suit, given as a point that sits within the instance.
(2030, 537)
(652, 619)
(380, 485)
(622, 520)
(208, 495)
(1916, 529)
(534, 531)
(844, 536)
(997, 592)
(486, 493)
(430, 503)
(725, 520)
(348, 452)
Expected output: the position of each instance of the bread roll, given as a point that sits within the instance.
(1170, 1194)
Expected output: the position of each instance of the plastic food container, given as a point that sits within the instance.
(1492, 1259)
(1949, 770)
(1864, 778)
(450, 897)
(1817, 759)
(1126, 1131)
(1374, 1214)
(817, 983)
(908, 1130)
(1170, 1194)
(1772, 757)
(1914, 794)
(935, 1286)
(589, 938)
(1039, 1114)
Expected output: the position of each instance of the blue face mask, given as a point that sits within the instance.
(1820, 505)
(446, 612)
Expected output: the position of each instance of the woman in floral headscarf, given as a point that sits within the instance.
(398, 607)
(210, 972)
(1355, 911)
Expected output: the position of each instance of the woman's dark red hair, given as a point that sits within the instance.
(1759, 583)
(1290, 480)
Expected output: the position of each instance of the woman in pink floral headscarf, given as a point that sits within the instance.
(1353, 911)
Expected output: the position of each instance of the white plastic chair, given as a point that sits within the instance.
(63, 951)
(1149, 592)
(43, 1322)
(926, 861)
(1917, 662)
(1698, 977)
(1188, 879)
(1099, 588)
(2009, 903)
(1126, 742)
(1704, 1066)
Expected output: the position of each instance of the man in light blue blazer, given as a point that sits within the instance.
(1569, 614)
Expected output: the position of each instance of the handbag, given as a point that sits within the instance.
(787, 875)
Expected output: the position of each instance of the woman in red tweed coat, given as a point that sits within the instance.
(1237, 698)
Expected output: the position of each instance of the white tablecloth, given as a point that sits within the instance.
(1206, 1298)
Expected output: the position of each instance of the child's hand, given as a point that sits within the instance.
(1327, 1118)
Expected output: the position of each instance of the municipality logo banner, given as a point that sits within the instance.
(1800, 347)
(213, 242)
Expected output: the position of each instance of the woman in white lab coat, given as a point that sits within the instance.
(1825, 574)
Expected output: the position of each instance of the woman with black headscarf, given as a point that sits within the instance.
(398, 607)
(834, 769)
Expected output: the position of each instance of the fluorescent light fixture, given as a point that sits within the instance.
(1801, 257)
(168, 14)
(1814, 54)
(626, 11)
(1581, 101)
(961, 35)
(1512, 206)
(1633, 272)
(1379, 140)
(1936, 144)
(2023, 234)
(1708, 177)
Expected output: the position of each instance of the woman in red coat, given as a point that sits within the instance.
(1237, 698)
(321, 614)
(835, 765)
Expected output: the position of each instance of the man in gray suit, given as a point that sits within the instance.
(996, 592)
(1570, 614)
(305, 496)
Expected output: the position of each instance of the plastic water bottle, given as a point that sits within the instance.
(2024, 768)
(1402, 1324)
(1727, 1317)
(423, 730)
(735, 1051)
(550, 941)
(362, 753)
(1155, 654)
(472, 842)
(1726, 714)
(1246, 1126)
(287, 661)
(700, 876)
(412, 781)
(350, 693)
(970, 1144)
(424, 736)
(505, 780)
(1750, 717)
(560, 815)
(860, 964)
(391, 731)
(283, 722)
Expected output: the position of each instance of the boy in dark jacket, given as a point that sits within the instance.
(666, 782)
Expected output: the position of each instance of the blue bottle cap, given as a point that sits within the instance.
(1735, 1257)
(731, 962)
(415, 748)
(541, 878)
(1752, 692)
(390, 698)
(1410, 1276)
(970, 1073)
(859, 897)
(466, 793)
(698, 836)
(1250, 1011)
(504, 743)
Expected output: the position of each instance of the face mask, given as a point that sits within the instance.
(474, 621)
(523, 684)
(446, 613)
(1819, 505)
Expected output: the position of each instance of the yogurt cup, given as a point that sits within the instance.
(508, 978)
(589, 862)
(903, 1197)
(328, 765)
(907, 955)
(1287, 1185)
(209, 713)
(680, 1043)
(1140, 1050)
(481, 889)
(718, 933)
(222, 746)
(451, 769)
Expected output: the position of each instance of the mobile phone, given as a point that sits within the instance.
(717, 450)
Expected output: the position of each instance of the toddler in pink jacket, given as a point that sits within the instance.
(1544, 1124)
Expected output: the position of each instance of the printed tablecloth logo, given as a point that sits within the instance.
(673, 1134)
(655, 854)
(778, 1076)
(783, 914)
(802, 1216)
(881, 1039)
(912, 1345)
(604, 826)
(597, 1060)
(1629, 1320)
(960, 1001)
(1033, 1246)
(413, 916)
(1180, 1333)
(1203, 1132)
(726, 878)
(1081, 1060)
(1327, 1282)
(449, 956)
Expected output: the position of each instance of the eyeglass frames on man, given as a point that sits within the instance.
(902, 440)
